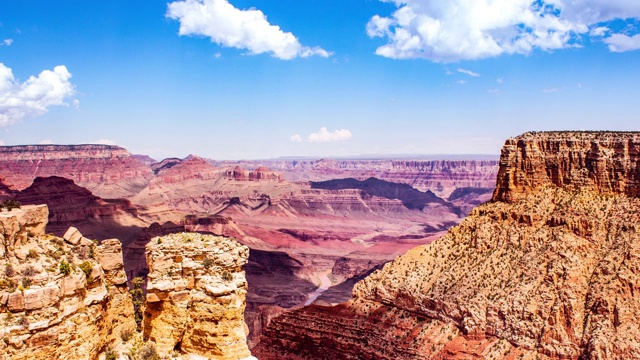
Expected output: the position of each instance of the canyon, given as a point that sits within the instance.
(301, 233)
(546, 270)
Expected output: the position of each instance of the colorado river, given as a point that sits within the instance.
(325, 283)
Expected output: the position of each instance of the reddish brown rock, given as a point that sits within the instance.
(548, 270)
(108, 171)
(608, 162)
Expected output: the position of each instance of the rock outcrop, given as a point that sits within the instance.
(108, 171)
(196, 296)
(607, 162)
(59, 298)
(548, 270)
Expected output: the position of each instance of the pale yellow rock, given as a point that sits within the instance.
(196, 296)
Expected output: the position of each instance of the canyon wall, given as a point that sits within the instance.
(108, 171)
(547, 270)
(607, 162)
(195, 298)
(440, 176)
(52, 310)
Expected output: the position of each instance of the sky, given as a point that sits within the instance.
(258, 79)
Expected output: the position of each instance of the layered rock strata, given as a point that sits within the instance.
(59, 298)
(548, 270)
(196, 296)
(108, 171)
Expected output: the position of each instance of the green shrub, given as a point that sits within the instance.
(207, 263)
(32, 254)
(11, 204)
(65, 268)
(26, 282)
(226, 275)
(110, 355)
(87, 268)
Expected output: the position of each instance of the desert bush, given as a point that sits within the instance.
(29, 271)
(207, 263)
(65, 268)
(11, 204)
(9, 271)
(138, 300)
(126, 335)
(86, 267)
(149, 352)
(226, 275)
(32, 254)
(8, 284)
(26, 282)
(110, 355)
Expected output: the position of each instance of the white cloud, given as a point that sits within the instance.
(622, 43)
(104, 142)
(446, 31)
(229, 26)
(468, 72)
(46, 142)
(1, 143)
(325, 136)
(494, 91)
(7, 42)
(296, 138)
(34, 96)
(599, 31)
(500, 80)
(461, 82)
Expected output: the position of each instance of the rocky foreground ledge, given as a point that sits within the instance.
(60, 298)
(196, 293)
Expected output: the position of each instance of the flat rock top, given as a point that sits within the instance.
(580, 135)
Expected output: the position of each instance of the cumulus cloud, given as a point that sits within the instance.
(447, 31)
(622, 43)
(229, 26)
(34, 96)
(324, 135)
(468, 72)
(7, 42)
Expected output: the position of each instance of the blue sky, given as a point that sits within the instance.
(261, 79)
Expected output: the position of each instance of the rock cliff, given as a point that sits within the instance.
(108, 171)
(548, 270)
(72, 205)
(196, 296)
(60, 298)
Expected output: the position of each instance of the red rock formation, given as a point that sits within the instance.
(72, 205)
(548, 270)
(608, 162)
(108, 171)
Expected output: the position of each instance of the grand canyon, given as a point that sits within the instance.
(531, 256)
